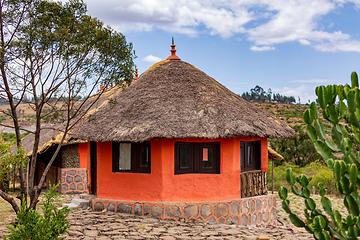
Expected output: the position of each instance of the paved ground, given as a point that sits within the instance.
(89, 225)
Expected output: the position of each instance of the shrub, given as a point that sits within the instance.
(4, 181)
(318, 171)
(326, 177)
(36, 226)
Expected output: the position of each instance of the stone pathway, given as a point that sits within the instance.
(90, 225)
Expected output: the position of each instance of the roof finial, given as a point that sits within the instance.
(173, 51)
(136, 73)
(172, 40)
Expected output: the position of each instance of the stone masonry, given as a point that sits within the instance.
(253, 211)
(73, 180)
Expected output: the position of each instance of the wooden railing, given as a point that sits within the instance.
(253, 183)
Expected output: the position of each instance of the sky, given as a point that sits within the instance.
(286, 45)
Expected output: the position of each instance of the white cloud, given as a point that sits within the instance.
(306, 89)
(305, 92)
(319, 81)
(339, 46)
(263, 22)
(261, 48)
(304, 42)
(152, 59)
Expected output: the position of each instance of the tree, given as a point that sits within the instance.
(258, 94)
(345, 164)
(299, 149)
(51, 50)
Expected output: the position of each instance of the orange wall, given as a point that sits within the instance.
(201, 187)
(127, 186)
(163, 185)
(264, 155)
(84, 154)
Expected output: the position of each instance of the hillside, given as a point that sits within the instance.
(291, 113)
(25, 113)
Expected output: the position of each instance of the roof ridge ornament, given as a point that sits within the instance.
(173, 55)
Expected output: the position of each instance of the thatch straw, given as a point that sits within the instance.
(274, 155)
(173, 99)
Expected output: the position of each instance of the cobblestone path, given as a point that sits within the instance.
(89, 225)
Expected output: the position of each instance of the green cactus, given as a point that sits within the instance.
(323, 221)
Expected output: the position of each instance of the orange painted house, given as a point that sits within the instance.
(178, 144)
(174, 144)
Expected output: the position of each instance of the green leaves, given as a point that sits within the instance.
(296, 220)
(310, 204)
(354, 80)
(313, 111)
(344, 141)
(326, 203)
(353, 174)
(307, 117)
(311, 132)
(283, 193)
(50, 224)
(320, 129)
(352, 205)
(320, 92)
(323, 149)
(290, 176)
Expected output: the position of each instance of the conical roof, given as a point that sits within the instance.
(173, 99)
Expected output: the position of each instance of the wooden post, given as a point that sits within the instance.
(14, 177)
(272, 176)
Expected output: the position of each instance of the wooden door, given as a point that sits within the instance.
(93, 168)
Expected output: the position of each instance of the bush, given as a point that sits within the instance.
(319, 172)
(36, 226)
(4, 181)
(326, 177)
(299, 150)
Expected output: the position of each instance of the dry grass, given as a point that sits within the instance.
(5, 207)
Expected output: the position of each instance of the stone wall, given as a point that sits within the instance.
(70, 157)
(74, 180)
(254, 211)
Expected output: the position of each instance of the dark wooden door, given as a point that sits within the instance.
(93, 168)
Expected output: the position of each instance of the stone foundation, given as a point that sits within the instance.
(73, 180)
(253, 211)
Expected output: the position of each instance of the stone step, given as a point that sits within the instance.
(78, 203)
(72, 206)
(87, 196)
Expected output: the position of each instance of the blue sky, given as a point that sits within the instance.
(288, 46)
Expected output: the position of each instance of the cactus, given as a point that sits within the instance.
(323, 221)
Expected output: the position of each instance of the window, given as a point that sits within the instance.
(131, 157)
(250, 154)
(197, 157)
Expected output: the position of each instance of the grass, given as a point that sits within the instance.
(5, 207)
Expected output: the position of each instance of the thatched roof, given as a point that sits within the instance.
(173, 99)
(274, 155)
(50, 135)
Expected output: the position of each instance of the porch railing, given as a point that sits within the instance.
(253, 183)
